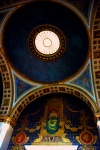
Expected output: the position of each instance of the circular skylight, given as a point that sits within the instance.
(47, 42)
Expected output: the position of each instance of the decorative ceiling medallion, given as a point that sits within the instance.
(86, 137)
(47, 42)
(20, 138)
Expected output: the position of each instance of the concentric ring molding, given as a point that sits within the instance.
(57, 68)
(56, 38)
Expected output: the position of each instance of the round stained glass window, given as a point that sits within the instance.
(47, 42)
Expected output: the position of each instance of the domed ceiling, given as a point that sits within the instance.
(16, 41)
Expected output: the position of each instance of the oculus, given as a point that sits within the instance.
(47, 42)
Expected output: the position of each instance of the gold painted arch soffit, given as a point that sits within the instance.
(95, 49)
(7, 85)
(20, 106)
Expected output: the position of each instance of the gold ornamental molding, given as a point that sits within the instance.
(20, 106)
(97, 115)
(47, 42)
(7, 85)
(8, 120)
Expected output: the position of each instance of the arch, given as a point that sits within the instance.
(95, 51)
(20, 106)
(7, 87)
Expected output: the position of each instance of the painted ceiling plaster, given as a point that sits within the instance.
(69, 69)
(17, 31)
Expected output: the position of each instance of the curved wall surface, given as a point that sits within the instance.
(76, 116)
(21, 24)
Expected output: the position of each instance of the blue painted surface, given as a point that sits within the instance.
(20, 87)
(72, 102)
(85, 80)
(17, 31)
(82, 5)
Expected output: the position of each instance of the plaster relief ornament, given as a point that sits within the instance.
(52, 125)
(19, 140)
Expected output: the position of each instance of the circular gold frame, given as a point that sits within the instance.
(19, 135)
(41, 56)
(87, 133)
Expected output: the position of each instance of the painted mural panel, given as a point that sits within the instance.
(56, 119)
